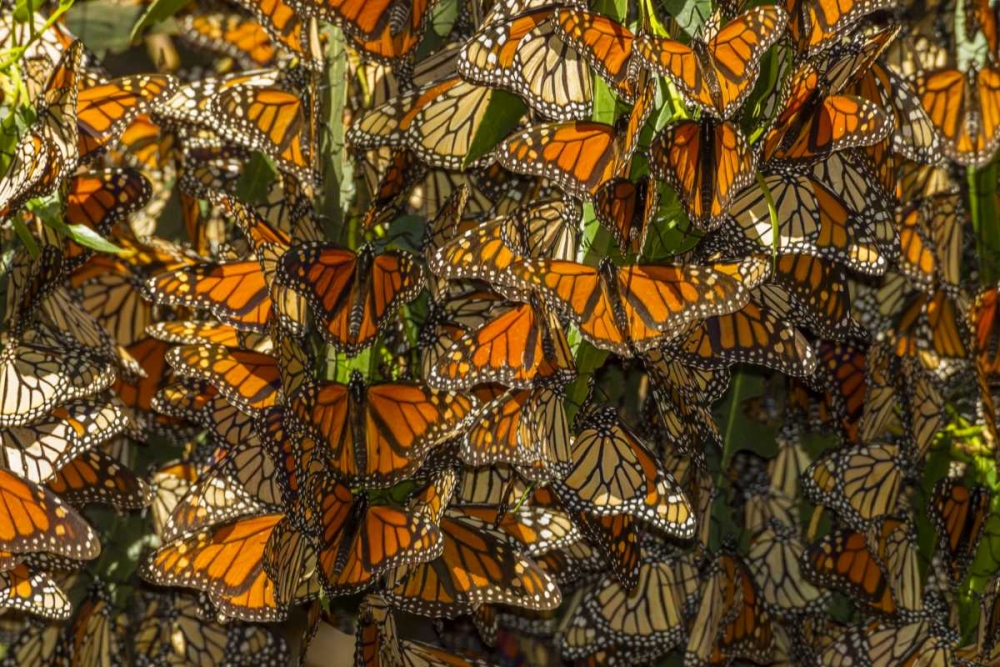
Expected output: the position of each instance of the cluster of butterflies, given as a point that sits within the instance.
(446, 379)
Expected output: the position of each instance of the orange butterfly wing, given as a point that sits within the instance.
(577, 156)
(707, 163)
(605, 44)
(33, 519)
(104, 111)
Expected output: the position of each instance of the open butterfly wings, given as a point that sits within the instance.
(717, 74)
(965, 110)
(708, 163)
(352, 296)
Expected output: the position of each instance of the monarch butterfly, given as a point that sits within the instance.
(606, 45)
(986, 635)
(579, 156)
(33, 592)
(814, 25)
(44, 155)
(914, 135)
(100, 199)
(271, 120)
(931, 240)
(105, 108)
(626, 209)
(352, 295)
(249, 380)
(929, 327)
(357, 540)
(682, 395)
(882, 645)
(634, 307)
(37, 451)
(717, 71)
(175, 627)
(36, 520)
(290, 559)
(477, 566)
(774, 559)
(138, 395)
(236, 293)
(965, 110)
(529, 56)
(521, 427)
(538, 530)
(97, 633)
(376, 435)
(204, 406)
(707, 162)
(859, 482)
(982, 18)
(95, 477)
(36, 377)
(225, 562)
(571, 563)
(233, 35)
(812, 291)
(71, 324)
(817, 120)
(852, 175)
(168, 485)
(194, 332)
(519, 346)
(462, 308)
(812, 220)
(242, 483)
(612, 473)
(541, 229)
(109, 290)
(438, 122)
(648, 615)
(289, 29)
(396, 41)
(984, 318)
(752, 335)
(377, 644)
(844, 560)
(617, 539)
(959, 514)
(731, 621)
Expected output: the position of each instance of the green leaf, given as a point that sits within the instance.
(670, 232)
(23, 9)
(616, 9)
(605, 102)
(406, 233)
(49, 210)
(157, 12)
(103, 24)
(688, 14)
(257, 178)
(503, 113)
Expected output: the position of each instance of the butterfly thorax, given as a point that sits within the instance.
(356, 412)
(707, 66)
(362, 269)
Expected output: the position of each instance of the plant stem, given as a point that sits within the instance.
(983, 212)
